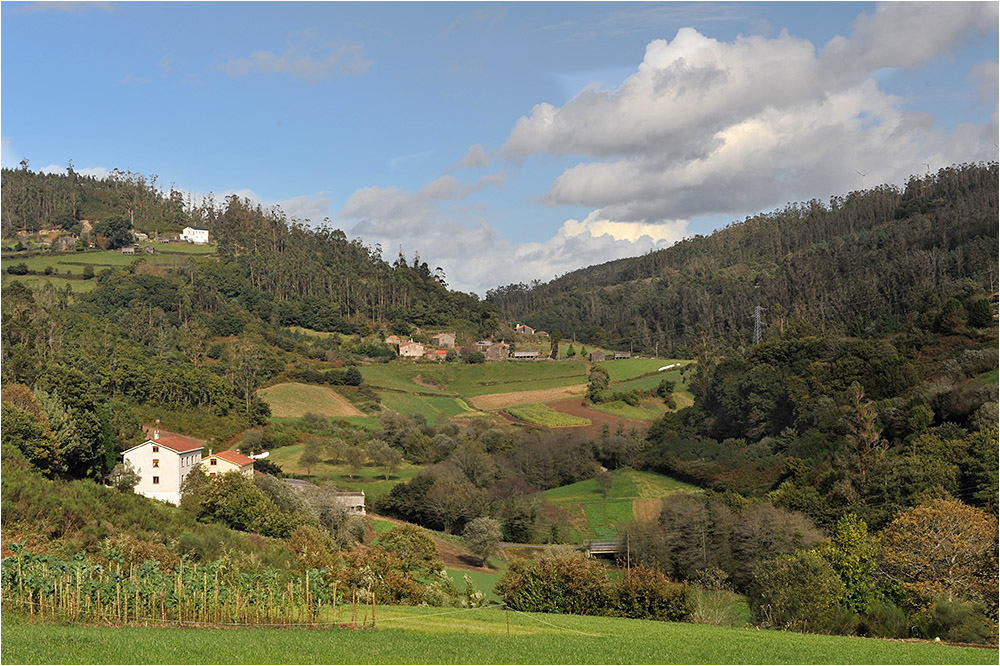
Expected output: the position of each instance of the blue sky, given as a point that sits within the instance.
(503, 142)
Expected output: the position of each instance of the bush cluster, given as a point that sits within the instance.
(574, 584)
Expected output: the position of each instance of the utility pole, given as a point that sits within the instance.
(756, 324)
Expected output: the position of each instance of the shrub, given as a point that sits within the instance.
(957, 621)
(885, 619)
(18, 269)
(415, 548)
(645, 593)
(800, 592)
(569, 584)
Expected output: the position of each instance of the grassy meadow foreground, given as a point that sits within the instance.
(411, 635)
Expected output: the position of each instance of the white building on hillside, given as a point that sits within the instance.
(162, 464)
(195, 235)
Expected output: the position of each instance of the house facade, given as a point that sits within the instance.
(195, 235)
(162, 464)
(524, 329)
(497, 352)
(446, 340)
(227, 461)
(352, 503)
(411, 349)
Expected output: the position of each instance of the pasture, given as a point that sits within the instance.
(424, 635)
(544, 415)
(67, 267)
(293, 399)
(464, 380)
(634, 495)
(436, 409)
(442, 391)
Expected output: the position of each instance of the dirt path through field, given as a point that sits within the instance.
(493, 401)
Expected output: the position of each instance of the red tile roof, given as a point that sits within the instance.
(234, 458)
(178, 444)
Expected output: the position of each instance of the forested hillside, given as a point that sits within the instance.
(35, 201)
(867, 263)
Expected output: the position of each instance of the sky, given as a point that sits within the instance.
(503, 142)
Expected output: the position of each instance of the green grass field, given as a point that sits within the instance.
(626, 411)
(292, 399)
(34, 281)
(409, 635)
(628, 368)
(544, 415)
(634, 495)
(72, 263)
(468, 381)
(183, 248)
(436, 409)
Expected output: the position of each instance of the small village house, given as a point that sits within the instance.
(525, 356)
(394, 340)
(497, 352)
(597, 357)
(227, 461)
(621, 355)
(524, 329)
(162, 464)
(411, 349)
(445, 340)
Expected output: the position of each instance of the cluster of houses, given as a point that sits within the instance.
(164, 460)
(442, 343)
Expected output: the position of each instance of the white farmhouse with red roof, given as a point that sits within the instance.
(227, 461)
(162, 464)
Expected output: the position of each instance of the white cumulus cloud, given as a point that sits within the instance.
(711, 127)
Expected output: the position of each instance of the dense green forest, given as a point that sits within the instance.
(863, 264)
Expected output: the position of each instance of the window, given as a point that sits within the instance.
(156, 449)
(156, 462)
(212, 461)
(156, 480)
